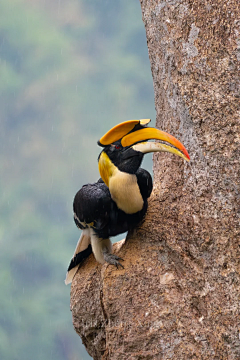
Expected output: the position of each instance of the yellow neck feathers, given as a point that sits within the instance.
(122, 186)
(106, 168)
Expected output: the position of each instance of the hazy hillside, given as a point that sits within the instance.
(69, 70)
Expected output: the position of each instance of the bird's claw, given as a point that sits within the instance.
(113, 259)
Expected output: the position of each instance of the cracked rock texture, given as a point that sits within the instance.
(179, 294)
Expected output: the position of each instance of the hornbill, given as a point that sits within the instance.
(118, 201)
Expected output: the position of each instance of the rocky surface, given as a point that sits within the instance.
(179, 294)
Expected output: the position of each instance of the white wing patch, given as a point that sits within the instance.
(82, 244)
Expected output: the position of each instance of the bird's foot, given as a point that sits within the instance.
(112, 259)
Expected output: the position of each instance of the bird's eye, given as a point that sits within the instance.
(117, 147)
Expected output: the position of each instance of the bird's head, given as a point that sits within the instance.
(126, 143)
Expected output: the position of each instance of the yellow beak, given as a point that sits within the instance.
(134, 131)
(151, 133)
(147, 147)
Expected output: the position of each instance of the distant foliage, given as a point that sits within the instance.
(69, 71)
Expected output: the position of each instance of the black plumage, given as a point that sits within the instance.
(93, 205)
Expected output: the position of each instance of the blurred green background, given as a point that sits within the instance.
(69, 71)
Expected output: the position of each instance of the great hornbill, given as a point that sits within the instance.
(118, 201)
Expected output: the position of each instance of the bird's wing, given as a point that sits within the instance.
(82, 251)
(145, 184)
(92, 205)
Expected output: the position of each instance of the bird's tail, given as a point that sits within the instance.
(82, 251)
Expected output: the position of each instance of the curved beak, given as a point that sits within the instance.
(152, 133)
(147, 147)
